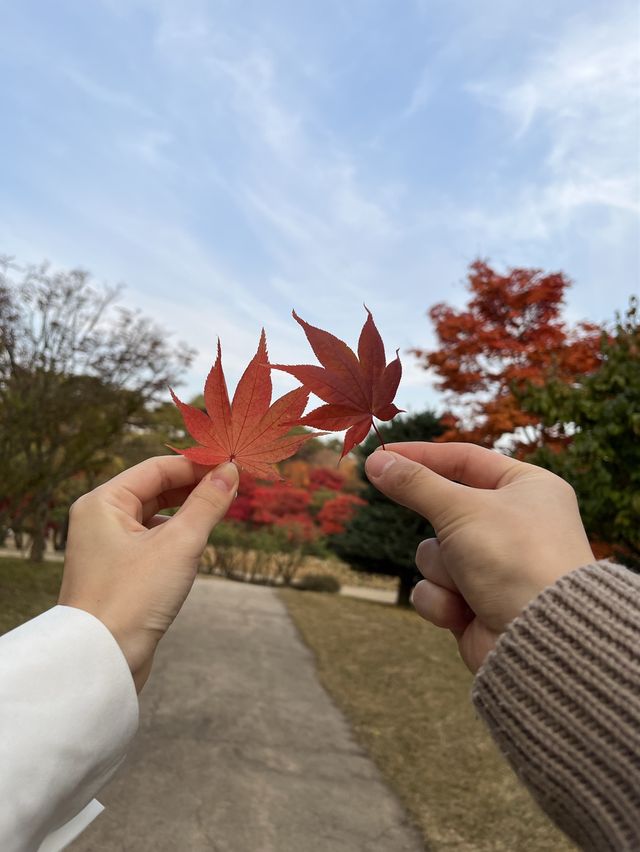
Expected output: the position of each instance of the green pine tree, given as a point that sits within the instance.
(382, 537)
(600, 415)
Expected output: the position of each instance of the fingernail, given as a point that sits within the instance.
(225, 477)
(378, 462)
(413, 591)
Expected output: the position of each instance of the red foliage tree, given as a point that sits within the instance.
(279, 504)
(272, 503)
(298, 528)
(323, 479)
(298, 510)
(242, 507)
(296, 471)
(510, 333)
(337, 512)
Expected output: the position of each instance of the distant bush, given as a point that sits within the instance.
(270, 554)
(227, 554)
(319, 583)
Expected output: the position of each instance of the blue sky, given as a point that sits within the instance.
(231, 160)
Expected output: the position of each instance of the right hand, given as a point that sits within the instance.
(505, 531)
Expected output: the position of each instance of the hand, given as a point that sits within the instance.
(132, 568)
(505, 531)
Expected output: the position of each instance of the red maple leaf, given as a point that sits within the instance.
(355, 388)
(249, 430)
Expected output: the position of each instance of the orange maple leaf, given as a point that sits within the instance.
(249, 431)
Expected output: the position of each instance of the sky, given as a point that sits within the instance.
(229, 161)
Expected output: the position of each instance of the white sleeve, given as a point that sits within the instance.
(68, 711)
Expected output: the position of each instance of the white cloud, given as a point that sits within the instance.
(421, 93)
(149, 146)
(578, 98)
(299, 187)
(104, 94)
(245, 180)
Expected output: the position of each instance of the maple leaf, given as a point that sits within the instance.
(355, 388)
(249, 430)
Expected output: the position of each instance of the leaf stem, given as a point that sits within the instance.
(375, 429)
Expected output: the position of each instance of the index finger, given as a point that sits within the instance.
(460, 462)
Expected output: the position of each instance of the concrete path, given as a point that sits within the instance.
(388, 596)
(240, 749)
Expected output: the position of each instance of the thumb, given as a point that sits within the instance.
(208, 503)
(411, 484)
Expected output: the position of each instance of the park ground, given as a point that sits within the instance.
(395, 680)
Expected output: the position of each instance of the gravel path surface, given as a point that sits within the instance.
(240, 749)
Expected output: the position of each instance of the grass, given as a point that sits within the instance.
(400, 683)
(26, 589)
(346, 575)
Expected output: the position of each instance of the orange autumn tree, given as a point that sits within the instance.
(511, 332)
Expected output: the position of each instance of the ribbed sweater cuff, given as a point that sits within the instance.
(560, 694)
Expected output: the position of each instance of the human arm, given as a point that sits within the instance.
(68, 711)
(68, 679)
(561, 696)
(508, 572)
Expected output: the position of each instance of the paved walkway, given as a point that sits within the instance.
(240, 749)
(388, 596)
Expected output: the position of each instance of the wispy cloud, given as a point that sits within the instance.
(150, 146)
(300, 187)
(230, 166)
(105, 94)
(577, 98)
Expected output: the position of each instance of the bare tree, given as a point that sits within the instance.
(75, 370)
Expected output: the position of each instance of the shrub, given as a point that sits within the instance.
(319, 583)
(229, 546)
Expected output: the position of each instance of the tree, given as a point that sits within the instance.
(75, 370)
(149, 432)
(326, 479)
(382, 537)
(600, 413)
(279, 503)
(511, 333)
(336, 513)
(312, 512)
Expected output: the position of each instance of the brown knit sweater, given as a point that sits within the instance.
(561, 696)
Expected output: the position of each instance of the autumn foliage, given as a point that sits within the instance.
(322, 478)
(510, 333)
(336, 513)
(354, 388)
(282, 505)
(248, 430)
(255, 434)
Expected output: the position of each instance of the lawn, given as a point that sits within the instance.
(401, 685)
(26, 589)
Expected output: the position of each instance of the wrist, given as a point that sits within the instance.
(138, 648)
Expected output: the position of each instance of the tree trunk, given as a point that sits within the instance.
(60, 536)
(38, 532)
(36, 553)
(405, 587)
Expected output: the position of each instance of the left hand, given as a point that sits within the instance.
(133, 568)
